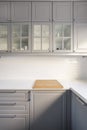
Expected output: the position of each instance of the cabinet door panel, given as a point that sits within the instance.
(12, 123)
(80, 37)
(41, 37)
(14, 107)
(48, 108)
(80, 11)
(62, 11)
(3, 37)
(11, 95)
(79, 114)
(4, 11)
(21, 11)
(41, 11)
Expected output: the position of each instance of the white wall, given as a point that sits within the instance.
(43, 67)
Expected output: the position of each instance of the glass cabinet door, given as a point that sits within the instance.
(41, 37)
(20, 37)
(3, 37)
(62, 37)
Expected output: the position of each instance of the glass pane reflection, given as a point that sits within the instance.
(37, 30)
(67, 44)
(45, 30)
(45, 43)
(67, 30)
(37, 44)
(59, 44)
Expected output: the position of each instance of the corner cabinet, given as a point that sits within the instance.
(48, 110)
(78, 113)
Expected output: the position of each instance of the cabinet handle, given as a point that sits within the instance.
(7, 116)
(29, 96)
(81, 101)
(7, 104)
(13, 91)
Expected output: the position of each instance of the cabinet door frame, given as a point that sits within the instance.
(50, 36)
(76, 37)
(77, 7)
(54, 46)
(34, 6)
(29, 37)
(59, 93)
(55, 4)
(28, 15)
(7, 16)
(8, 37)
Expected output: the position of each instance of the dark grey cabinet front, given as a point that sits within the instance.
(49, 110)
(78, 113)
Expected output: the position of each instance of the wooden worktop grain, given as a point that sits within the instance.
(47, 84)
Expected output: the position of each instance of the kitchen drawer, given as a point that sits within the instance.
(14, 108)
(13, 122)
(14, 95)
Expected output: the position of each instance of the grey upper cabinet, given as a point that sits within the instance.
(79, 113)
(49, 110)
(21, 11)
(80, 26)
(62, 11)
(80, 11)
(4, 11)
(80, 37)
(41, 11)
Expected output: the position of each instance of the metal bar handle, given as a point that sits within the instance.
(7, 91)
(7, 104)
(7, 116)
(29, 96)
(81, 101)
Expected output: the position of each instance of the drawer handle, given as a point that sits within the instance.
(7, 104)
(29, 96)
(7, 116)
(13, 91)
(81, 101)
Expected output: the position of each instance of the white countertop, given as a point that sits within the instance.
(79, 86)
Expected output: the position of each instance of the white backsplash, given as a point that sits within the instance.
(43, 67)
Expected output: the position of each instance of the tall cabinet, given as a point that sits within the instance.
(62, 26)
(21, 26)
(41, 26)
(78, 113)
(4, 25)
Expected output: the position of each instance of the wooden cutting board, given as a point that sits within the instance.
(47, 84)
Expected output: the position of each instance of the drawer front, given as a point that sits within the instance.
(14, 108)
(14, 95)
(13, 122)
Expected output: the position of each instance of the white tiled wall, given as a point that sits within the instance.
(35, 67)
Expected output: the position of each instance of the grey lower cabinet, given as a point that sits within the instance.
(78, 113)
(14, 110)
(48, 110)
